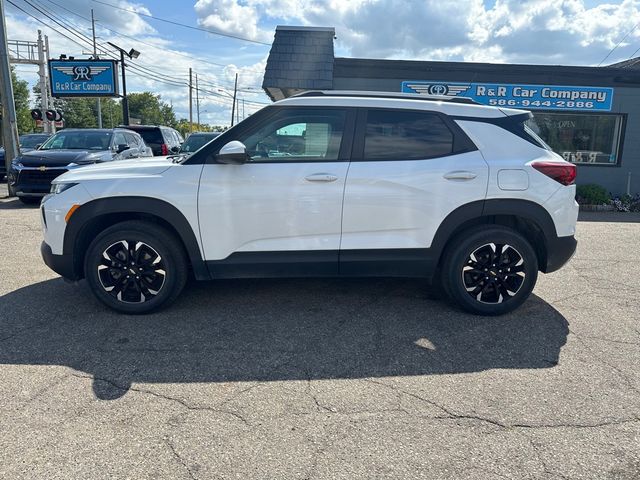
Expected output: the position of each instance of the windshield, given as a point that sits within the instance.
(90, 140)
(30, 141)
(196, 142)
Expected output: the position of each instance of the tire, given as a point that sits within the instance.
(30, 200)
(140, 286)
(500, 279)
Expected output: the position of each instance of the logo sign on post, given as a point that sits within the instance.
(83, 78)
(530, 97)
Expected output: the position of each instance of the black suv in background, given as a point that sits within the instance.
(31, 172)
(162, 140)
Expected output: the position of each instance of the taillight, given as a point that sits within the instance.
(164, 149)
(564, 173)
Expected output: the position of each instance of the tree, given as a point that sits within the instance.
(183, 127)
(168, 115)
(21, 99)
(83, 112)
(111, 113)
(150, 109)
(79, 112)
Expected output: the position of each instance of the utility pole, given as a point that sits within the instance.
(197, 102)
(44, 91)
(125, 100)
(95, 56)
(190, 100)
(235, 91)
(133, 53)
(52, 126)
(9, 121)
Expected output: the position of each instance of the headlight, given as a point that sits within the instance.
(16, 162)
(57, 188)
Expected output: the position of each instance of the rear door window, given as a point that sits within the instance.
(406, 135)
(151, 136)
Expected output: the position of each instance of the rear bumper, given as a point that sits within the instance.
(61, 264)
(559, 252)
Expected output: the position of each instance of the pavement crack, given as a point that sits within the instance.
(625, 378)
(177, 400)
(451, 415)
(179, 458)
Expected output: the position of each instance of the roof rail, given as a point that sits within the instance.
(366, 94)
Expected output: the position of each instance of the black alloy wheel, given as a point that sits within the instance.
(131, 271)
(494, 273)
(489, 270)
(136, 267)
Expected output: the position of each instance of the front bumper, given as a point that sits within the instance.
(559, 252)
(33, 181)
(61, 264)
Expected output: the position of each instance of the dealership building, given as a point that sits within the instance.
(589, 115)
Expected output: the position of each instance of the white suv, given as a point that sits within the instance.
(326, 184)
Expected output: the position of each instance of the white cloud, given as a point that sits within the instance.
(530, 31)
(166, 61)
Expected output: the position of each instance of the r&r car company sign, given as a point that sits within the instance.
(530, 97)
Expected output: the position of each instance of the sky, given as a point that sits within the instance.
(567, 32)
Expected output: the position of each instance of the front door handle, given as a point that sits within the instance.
(460, 175)
(321, 177)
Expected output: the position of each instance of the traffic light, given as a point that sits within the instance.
(53, 115)
(36, 114)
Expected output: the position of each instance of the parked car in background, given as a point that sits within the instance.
(3, 170)
(31, 141)
(196, 141)
(162, 140)
(31, 172)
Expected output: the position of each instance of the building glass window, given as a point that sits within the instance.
(580, 138)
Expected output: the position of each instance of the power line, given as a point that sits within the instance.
(151, 74)
(618, 44)
(182, 24)
(80, 36)
(44, 23)
(124, 35)
(134, 69)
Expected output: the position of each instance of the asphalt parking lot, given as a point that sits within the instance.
(301, 379)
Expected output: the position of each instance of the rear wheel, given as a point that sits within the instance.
(490, 271)
(136, 267)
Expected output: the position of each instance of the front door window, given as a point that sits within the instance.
(304, 135)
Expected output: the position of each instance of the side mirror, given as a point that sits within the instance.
(233, 153)
(37, 146)
(175, 149)
(122, 147)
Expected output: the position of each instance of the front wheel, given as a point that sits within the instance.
(136, 267)
(490, 271)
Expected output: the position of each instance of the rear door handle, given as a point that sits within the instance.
(321, 177)
(460, 175)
